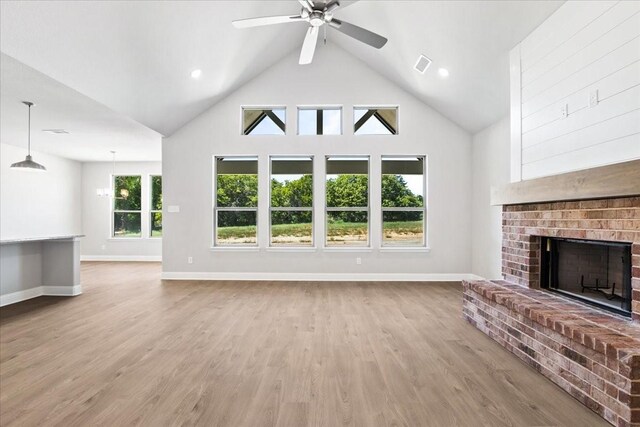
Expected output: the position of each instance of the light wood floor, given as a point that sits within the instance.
(133, 350)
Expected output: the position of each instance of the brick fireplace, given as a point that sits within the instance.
(591, 353)
(523, 226)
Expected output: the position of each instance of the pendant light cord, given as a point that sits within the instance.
(29, 132)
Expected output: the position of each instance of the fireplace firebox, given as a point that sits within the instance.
(596, 272)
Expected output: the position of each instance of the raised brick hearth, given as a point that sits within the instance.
(592, 354)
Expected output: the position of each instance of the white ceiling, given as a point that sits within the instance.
(93, 129)
(135, 57)
(471, 39)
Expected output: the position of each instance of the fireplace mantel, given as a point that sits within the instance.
(618, 180)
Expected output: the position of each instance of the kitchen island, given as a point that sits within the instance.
(37, 266)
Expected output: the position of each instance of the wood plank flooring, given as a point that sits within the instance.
(133, 350)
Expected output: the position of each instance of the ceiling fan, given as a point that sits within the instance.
(317, 13)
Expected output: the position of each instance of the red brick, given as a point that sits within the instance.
(561, 339)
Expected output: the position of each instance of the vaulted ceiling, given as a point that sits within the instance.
(135, 57)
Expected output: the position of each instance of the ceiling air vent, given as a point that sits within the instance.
(422, 64)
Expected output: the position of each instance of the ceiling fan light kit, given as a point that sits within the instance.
(316, 14)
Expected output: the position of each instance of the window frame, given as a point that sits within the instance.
(114, 210)
(328, 209)
(216, 209)
(151, 210)
(319, 108)
(422, 209)
(262, 107)
(377, 106)
(293, 209)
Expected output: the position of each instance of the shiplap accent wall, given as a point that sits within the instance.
(585, 49)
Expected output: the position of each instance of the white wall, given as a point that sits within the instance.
(490, 159)
(39, 204)
(583, 48)
(96, 214)
(335, 77)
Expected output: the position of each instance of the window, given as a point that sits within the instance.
(347, 198)
(236, 201)
(155, 220)
(291, 201)
(375, 121)
(263, 121)
(320, 121)
(127, 208)
(403, 201)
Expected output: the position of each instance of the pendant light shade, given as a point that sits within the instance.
(28, 164)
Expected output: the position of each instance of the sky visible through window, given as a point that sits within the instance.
(268, 127)
(373, 126)
(331, 122)
(307, 122)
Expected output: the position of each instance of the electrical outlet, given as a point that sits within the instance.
(358, 260)
(593, 98)
(103, 247)
(564, 110)
(190, 260)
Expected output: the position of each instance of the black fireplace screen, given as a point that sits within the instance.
(597, 272)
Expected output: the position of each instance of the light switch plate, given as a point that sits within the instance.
(564, 110)
(173, 209)
(593, 98)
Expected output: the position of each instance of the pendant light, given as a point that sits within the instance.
(107, 192)
(28, 164)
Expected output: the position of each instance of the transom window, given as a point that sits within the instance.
(375, 121)
(403, 201)
(264, 121)
(347, 201)
(291, 210)
(127, 206)
(236, 201)
(320, 121)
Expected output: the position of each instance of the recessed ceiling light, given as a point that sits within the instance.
(56, 131)
(422, 64)
(443, 72)
(196, 73)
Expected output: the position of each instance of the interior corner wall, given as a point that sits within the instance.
(39, 204)
(491, 167)
(96, 214)
(334, 78)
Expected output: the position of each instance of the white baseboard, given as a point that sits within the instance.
(320, 277)
(18, 296)
(120, 258)
(38, 291)
(62, 291)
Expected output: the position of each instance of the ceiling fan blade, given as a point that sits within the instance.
(307, 5)
(265, 20)
(359, 33)
(309, 46)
